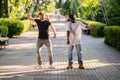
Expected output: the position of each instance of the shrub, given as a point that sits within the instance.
(115, 21)
(3, 31)
(97, 29)
(27, 25)
(112, 36)
(15, 27)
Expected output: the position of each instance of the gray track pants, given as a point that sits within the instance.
(47, 43)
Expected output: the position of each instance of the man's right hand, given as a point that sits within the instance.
(30, 17)
(68, 42)
(68, 34)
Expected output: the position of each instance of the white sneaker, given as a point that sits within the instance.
(51, 67)
(38, 67)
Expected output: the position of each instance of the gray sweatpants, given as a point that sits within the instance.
(47, 43)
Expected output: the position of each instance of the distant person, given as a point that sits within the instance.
(74, 32)
(43, 37)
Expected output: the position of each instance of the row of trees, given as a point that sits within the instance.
(19, 8)
(106, 11)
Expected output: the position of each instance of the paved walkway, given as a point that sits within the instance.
(18, 60)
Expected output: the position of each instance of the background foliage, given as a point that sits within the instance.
(106, 11)
(112, 36)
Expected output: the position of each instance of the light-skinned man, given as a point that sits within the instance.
(43, 37)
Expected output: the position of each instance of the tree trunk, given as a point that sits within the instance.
(6, 7)
(1, 12)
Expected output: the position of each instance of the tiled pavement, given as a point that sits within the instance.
(18, 60)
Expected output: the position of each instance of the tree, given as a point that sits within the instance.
(59, 3)
(113, 10)
(4, 8)
(91, 8)
(19, 8)
(66, 8)
(74, 7)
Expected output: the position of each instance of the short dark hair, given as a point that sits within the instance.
(72, 18)
(41, 13)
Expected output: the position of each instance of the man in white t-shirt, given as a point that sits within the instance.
(74, 31)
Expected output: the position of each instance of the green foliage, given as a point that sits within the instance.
(3, 8)
(66, 8)
(113, 10)
(112, 36)
(27, 25)
(97, 29)
(18, 8)
(15, 27)
(3, 31)
(90, 9)
(50, 8)
(74, 7)
(115, 21)
(59, 4)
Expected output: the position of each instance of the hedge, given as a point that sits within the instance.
(97, 29)
(112, 36)
(3, 31)
(27, 25)
(15, 27)
(114, 21)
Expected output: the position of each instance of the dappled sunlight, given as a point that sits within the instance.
(57, 46)
(31, 34)
(58, 34)
(15, 70)
(19, 70)
(8, 71)
(22, 46)
(97, 63)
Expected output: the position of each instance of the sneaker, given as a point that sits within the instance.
(38, 67)
(51, 67)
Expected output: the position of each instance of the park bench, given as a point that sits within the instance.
(4, 41)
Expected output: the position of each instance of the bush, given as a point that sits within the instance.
(97, 29)
(15, 27)
(3, 31)
(112, 36)
(115, 21)
(27, 25)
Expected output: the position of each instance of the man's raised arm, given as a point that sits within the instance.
(30, 17)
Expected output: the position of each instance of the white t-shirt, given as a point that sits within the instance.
(77, 27)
